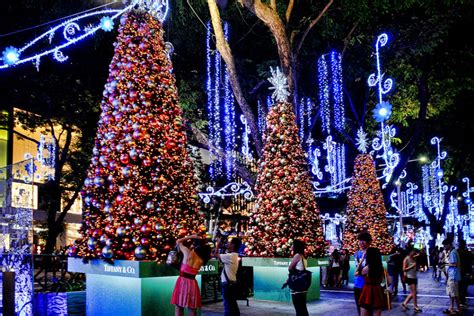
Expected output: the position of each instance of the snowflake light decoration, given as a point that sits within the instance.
(157, 8)
(107, 24)
(10, 55)
(279, 82)
(382, 111)
(361, 141)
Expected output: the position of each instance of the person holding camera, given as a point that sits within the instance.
(229, 274)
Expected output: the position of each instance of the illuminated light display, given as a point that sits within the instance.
(382, 143)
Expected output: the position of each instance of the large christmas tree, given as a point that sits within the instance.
(139, 195)
(366, 209)
(286, 208)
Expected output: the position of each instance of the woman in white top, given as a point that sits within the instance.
(299, 262)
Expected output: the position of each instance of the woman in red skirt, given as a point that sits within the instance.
(186, 291)
(371, 298)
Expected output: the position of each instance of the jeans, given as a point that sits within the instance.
(394, 286)
(299, 302)
(229, 295)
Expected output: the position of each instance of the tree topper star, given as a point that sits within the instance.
(279, 82)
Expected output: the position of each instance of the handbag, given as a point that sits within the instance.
(175, 257)
(299, 280)
(387, 296)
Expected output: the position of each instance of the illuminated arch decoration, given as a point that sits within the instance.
(382, 143)
(231, 189)
(73, 31)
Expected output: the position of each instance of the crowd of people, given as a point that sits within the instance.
(372, 283)
(403, 264)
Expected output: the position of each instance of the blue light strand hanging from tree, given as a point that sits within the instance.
(336, 74)
(216, 110)
(210, 99)
(301, 113)
(323, 83)
(381, 113)
(229, 119)
(261, 117)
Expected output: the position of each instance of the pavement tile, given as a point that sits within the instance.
(432, 299)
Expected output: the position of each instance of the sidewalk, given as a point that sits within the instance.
(432, 299)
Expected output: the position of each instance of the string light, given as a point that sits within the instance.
(210, 98)
(13, 56)
(261, 117)
(324, 94)
(229, 118)
(336, 72)
(383, 109)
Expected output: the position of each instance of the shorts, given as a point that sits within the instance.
(452, 288)
(411, 281)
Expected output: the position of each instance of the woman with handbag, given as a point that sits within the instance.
(186, 291)
(299, 263)
(371, 300)
(409, 273)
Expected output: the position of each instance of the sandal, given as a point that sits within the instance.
(447, 311)
(417, 310)
(405, 308)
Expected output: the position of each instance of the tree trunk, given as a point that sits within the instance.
(227, 56)
(272, 20)
(53, 192)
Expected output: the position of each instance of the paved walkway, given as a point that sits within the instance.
(432, 299)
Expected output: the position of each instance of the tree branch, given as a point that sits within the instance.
(310, 26)
(273, 21)
(25, 137)
(226, 54)
(201, 141)
(349, 35)
(273, 4)
(289, 9)
(70, 202)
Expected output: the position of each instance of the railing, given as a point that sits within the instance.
(51, 275)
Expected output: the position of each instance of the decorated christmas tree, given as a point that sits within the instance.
(366, 209)
(286, 208)
(139, 195)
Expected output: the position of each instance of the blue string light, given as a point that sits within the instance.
(301, 109)
(261, 117)
(210, 98)
(229, 119)
(336, 73)
(324, 95)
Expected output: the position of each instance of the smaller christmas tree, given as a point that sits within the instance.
(286, 208)
(366, 209)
